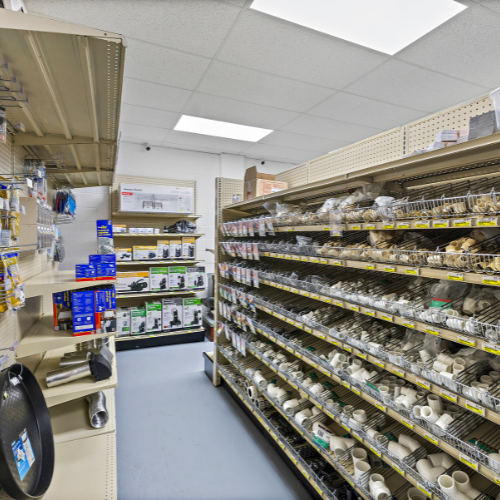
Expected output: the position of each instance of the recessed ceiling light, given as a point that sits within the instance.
(384, 25)
(220, 129)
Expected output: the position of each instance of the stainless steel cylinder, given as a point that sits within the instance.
(75, 359)
(97, 410)
(68, 374)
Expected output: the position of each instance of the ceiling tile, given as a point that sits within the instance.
(229, 110)
(474, 35)
(363, 111)
(154, 95)
(153, 63)
(330, 129)
(297, 52)
(147, 116)
(162, 23)
(143, 133)
(219, 144)
(406, 85)
(306, 142)
(265, 151)
(244, 84)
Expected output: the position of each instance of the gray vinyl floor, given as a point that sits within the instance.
(181, 438)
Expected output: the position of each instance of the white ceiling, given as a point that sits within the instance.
(217, 59)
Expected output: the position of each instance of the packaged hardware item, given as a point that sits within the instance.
(153, 316)
(192, 310)
(195, 277)
(138, 320)
(63, 315)
(145, 230)
(105, 310)
(102, 259)
(105, 237)
(175, 249)
(145, 253)
(163, 249)
(155, 198)
(158, 279)
(123, 254)
(177, 278)
(133, 230)
(132, 281)
(82, 306)
(119, 228)
(172, 314)
(105, 271)
(188, 248)
(123, 321)
(85, 272)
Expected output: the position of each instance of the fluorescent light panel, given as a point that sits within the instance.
(384, 25)
(216, 128)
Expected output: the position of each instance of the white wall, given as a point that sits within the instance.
(162, 163)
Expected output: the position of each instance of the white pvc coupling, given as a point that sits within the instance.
(429, 414)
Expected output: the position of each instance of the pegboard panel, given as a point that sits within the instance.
(375, 150)
(226, 188)
(297, 176)
(129, 179)
(423, 132)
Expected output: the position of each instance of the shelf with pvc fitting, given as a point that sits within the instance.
(268, 426)
(399, 469)
(393, 368)
(76, 389)
(467, 221)
(155, 262)
(158, 215)
(305, 435)
(158, 294)
(448, 448)
(438, 331)
(157, 235)
(426, 272)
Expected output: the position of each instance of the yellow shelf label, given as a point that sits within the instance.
(424, 491)
(374, 450)
(347, 348)
(323, 261)
(379, 364)
(361, 355)
(409, 325)
(338, 262)
(370, 226)
(414, 271)
(314, 296)
(369, 312)
(455, 276)
(397, 469)
(399, 373)
(304, 259)
(307, 329)
(466, 341)
(388, 226)
(321, 337)
(370, 266)
(386, 317)
(449, 396)
(407, 423)
(356, 228)
(440, 224)
(354, 308)
(338, 303)
(357, 436)
(434, 440)
(487, 222)
(468, 461)
(348, 429)
(296, 257)
(432, 331)
(492, 349)
(389, 269)
(422, 224)
(346, 384)
(423, 383)
(381, 407)
(328, 301)
(479, 410)
(462, 223)
(356, 391)
(491, 280)
(314, 259)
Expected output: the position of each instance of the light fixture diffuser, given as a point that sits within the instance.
(384, 25)
(216, 128)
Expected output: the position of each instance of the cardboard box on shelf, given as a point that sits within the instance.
(172, 314)
(123, 321)
(192, 310)
(177, 278)
(257, 184)
(138, 320)
(105, 310)
(82, 306)
(132, 281)
(158, 279)
(176, 249)
(163, 249)
(145, 252)
(153, 316)
(188, 248)
(195, 277)
(123, 254)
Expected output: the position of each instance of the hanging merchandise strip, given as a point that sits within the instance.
(371, 394)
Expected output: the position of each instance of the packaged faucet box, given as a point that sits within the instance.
(123, 321)
(138, 320)
(105, 237)
(123, 254)
(188, 248)
(192, 313)
(163, 249)
(132, 281)
(82, 308)
(177, 278)
(196, 277)
(145, 252)
(105, 310)
(175, 249)
(172, 314)
(63, 314)
(153, 316)
(119, 228)
(158, 279)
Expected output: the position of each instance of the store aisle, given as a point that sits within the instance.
(180, 438)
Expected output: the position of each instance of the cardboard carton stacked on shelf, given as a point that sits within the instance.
(258, 184)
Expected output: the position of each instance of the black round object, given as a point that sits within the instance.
(24, 414)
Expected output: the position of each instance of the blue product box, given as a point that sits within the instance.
(102, 259)
(83, 312)
(63, 315)
(105, 271)
(105, 237)
(105, 310)
(85, 272)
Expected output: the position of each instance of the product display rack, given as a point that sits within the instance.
(157, 222)
(469, 160)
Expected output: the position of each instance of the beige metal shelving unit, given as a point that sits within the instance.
(374, 160)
